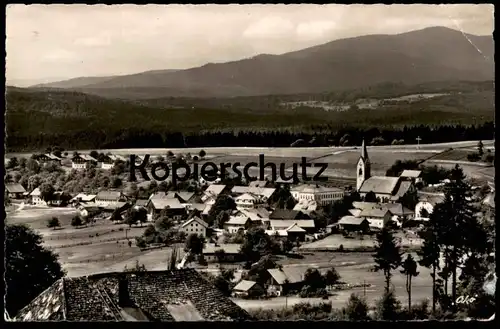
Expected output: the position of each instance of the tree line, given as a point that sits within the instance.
(312, 136)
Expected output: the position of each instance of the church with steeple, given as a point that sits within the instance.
(386, 189)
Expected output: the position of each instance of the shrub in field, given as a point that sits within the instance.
(356, 309)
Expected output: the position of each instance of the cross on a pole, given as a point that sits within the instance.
(418, 141)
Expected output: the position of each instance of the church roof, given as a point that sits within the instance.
(379, 185)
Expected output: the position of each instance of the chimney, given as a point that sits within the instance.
(123, 293)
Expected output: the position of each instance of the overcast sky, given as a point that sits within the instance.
(54, 42)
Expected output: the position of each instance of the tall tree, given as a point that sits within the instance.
(429, 254)
(409, 270)
(387, 255)
(29, 267)
(480, 148)
(53, 223)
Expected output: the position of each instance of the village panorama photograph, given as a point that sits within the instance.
(162, 163)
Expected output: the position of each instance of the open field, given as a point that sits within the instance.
(333, 242)
(309, 152)
(353, 268)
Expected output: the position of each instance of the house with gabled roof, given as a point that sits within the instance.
(171, 206)
(195, 225)
(107, 197)
(306, 224)
(247, 289)
(352, 223)
(15, 190)
(236, 223)
(295, 232)
(322, 195)
(36, 198)
(173, 295)
(284, 279)
(377, 218)
(225, 253)
(82, 161)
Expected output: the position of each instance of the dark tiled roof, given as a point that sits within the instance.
(153, 294)
(15, 188)
(288, 214)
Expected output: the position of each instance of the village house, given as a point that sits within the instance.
(321, 194)
(280, 224)
(284, 279)
(248, 201)
(258, 216)
(353, 224)
(195, 225)
(412, 175)
(48, 158)
(107, 163)
(387, 189)
(377, 218)
(400, 213)
(212, 192)
(155, 296)
(88, 210)
(15, 191)
(36, 198)
(237, 223)
(247, 289)
(172, 207)
(306, 206)
(278, 234)
(104, 198)
(264, 193)
(182, 196)
(121, 206)
(296, 233)
(224, 253)
(59, 199)
(82, 198)
(82, 161)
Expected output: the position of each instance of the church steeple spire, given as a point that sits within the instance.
(363, 167)
(364, 152)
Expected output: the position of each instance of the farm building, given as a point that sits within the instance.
(284, 279)
(15, 191)
(231, 253)
(258, 216)
(353, 224)
(105, 198)
(118, 206)
(247, 289)
(174, 295)
(88, 209)
(47, 158)
(307, 225)
(82, 198)
(195, 225)
(387, 189)
(181, 196)
(321, 194)
(171, 207)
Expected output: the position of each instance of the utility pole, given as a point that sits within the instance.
(418, 142)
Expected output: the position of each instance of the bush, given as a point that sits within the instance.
(473, 157)
(356, 309)
(310, 292)
(388, 307)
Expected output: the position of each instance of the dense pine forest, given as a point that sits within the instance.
(38, 118)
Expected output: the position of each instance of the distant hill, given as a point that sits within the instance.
(83, 82)
(39, 118)
(428, 55)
